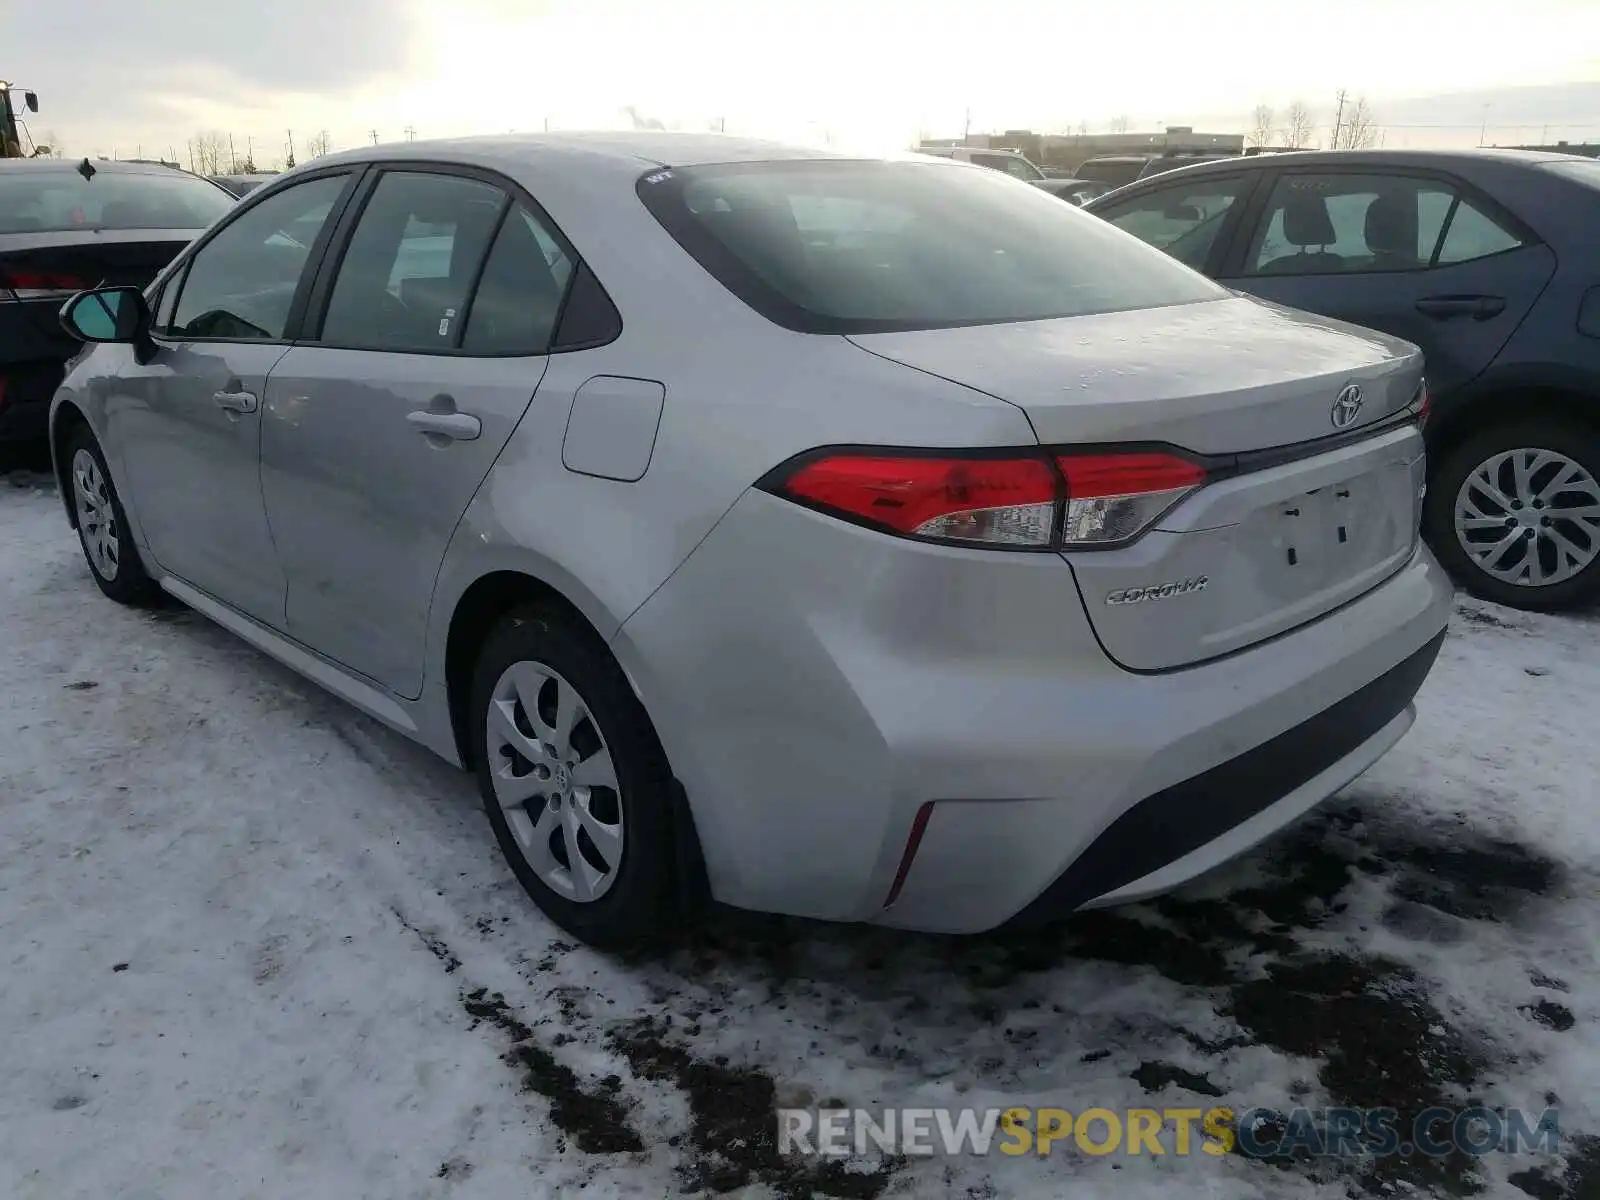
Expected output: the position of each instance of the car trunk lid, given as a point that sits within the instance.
(1217, 377)
(1313, 492)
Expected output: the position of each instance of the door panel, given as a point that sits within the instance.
(375, 441)
(188, 421)
(365, 472)
(1411, 256)
(191, 465)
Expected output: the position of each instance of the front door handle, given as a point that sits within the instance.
(456, 426)
(1479, 308)
(239, 401)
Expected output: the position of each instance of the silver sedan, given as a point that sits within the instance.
(870, 540)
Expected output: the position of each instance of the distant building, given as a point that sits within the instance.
(1067, 150)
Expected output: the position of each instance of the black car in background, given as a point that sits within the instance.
(1119, 170)
(1490, 261)
(68, 226)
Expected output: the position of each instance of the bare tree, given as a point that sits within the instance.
(209, 153)
(1262, 126)
(317, 144)
(1298, 125)
(1119, 124)
(1358, 129)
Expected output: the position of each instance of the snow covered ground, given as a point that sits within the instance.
(253, 945)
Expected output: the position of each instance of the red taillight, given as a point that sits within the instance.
(1424, 404)
(1004, 502)
(40, 281)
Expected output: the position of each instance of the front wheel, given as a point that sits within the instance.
(1514, 513)
(574, 780)
(103, 526)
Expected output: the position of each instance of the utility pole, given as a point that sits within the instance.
(411, 134)
(1483, 130)
(374, 137)
(966, 128)
(1338, 119)
(233, 159)
(288, 161)
(250, 152)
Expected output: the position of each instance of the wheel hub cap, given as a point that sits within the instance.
(1529, 517)
(97, 520)
(555, 781)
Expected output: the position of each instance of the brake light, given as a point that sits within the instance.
(43, 281)
(1018, 501)
(1000, 501)
(1424, 404)
(1114, 497)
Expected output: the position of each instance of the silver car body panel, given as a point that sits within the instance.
(814, 682)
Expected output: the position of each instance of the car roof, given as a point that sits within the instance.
(63, 166)
(1375, 158)
(631, 152)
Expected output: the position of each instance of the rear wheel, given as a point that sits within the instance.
(575, 783)
(1514, 513)
(103, 527)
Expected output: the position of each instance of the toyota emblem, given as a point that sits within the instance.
(1347, 407)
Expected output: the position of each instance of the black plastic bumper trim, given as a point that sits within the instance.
(1164, 827)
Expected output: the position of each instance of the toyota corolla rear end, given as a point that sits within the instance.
(944, 686)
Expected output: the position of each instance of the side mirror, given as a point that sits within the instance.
(117, 314)
(31, 99)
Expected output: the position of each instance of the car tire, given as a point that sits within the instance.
(103, 526)
(535, 661)
(1487, 478)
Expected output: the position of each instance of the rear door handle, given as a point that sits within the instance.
(1479, 308)
(457, 426)
(239, 401)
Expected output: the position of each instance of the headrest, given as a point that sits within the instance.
(1391, 226)
(1306, 223)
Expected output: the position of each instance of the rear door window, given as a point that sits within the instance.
(519, 298)
(411, 263)
(1337, 223)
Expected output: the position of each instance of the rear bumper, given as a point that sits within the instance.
(1190, 827)
(816, 685)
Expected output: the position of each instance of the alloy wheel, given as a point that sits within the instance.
(97, 517)
(1529, 517)
(554, 780)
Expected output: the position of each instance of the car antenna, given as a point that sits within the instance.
(86, 169)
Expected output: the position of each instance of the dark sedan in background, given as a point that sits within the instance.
(1488, 260)
(66, 226)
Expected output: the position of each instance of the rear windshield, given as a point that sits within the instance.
(864, 247)
(1584, 172)
(51, 201)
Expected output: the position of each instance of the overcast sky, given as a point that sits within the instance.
(125, 75)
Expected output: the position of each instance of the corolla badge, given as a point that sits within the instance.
(1347, 407)
(1159, 591)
